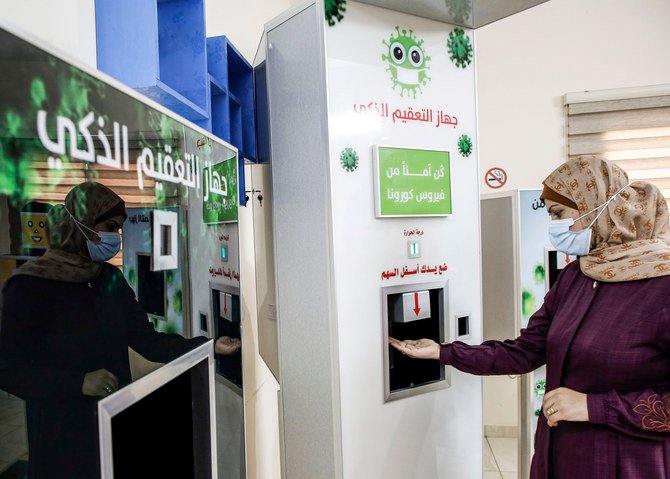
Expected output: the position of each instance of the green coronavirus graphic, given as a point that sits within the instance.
(538, 274)
(460, 48)
(540, 386)
(334, 10)
(407, 62)
(177, 302)
(527, 303)
(464, 145)
(61, 91)
(349, 159)
(132, 277)
(459, 10)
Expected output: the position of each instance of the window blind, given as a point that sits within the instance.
(629, 126)
(52, 186)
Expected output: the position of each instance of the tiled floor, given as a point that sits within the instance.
(500, 458)
(13, 442)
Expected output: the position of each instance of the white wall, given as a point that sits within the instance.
(260, 387)
(526, 62)
(242, 22)
(68, 25)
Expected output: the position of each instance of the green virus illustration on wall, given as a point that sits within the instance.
(539, 274)
(349, 159)
(460, 48)
(407, 62)
(459, 10)
(540, 386)
(464, 145)
(528, 305)
(334, 10)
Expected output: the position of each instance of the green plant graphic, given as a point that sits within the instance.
(349, 159)
(460, 48)
(407, 62)
(335, 10)
(539, 274)
(464, 145)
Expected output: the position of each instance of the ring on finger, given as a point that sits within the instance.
(551, 410)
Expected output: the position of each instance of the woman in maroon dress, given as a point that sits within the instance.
(603, 331)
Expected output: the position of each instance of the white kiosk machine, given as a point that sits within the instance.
(369, 138)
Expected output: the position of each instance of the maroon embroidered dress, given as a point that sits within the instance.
(610, 341)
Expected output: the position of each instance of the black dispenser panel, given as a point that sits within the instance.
(226, 322)
(413, 312)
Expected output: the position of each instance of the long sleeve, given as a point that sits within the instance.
(144, 339)
(644, 414)
(521, 355)
(24, 369)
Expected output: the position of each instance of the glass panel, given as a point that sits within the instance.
(102, 199)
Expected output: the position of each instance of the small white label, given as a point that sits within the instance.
(225, 306)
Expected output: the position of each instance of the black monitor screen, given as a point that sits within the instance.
(166, 433)
(150, 287)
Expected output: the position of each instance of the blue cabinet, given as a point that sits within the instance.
(159, 48)
(232, 93)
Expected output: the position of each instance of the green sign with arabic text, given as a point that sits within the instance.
(220, 192)
(412, 182)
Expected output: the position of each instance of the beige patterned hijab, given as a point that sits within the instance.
(67, 258)
(630, 239)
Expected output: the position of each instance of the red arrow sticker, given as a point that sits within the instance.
(416, 304)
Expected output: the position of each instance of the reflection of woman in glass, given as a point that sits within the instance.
(68, 319)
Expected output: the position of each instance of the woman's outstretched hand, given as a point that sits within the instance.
(226, 345)
(417, 348)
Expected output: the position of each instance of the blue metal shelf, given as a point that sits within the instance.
(158, 47)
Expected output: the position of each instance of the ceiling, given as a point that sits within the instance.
(466, 13)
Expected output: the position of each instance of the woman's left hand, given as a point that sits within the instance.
(563, 404)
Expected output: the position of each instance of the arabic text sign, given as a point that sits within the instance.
(220, 192)
(412, 182)
(56, 119)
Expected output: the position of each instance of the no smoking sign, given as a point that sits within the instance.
(495, 178)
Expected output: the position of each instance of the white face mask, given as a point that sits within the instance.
(575, 243)
(103, 250)
(572, 243)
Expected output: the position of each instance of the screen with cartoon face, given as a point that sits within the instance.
(33, 226)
